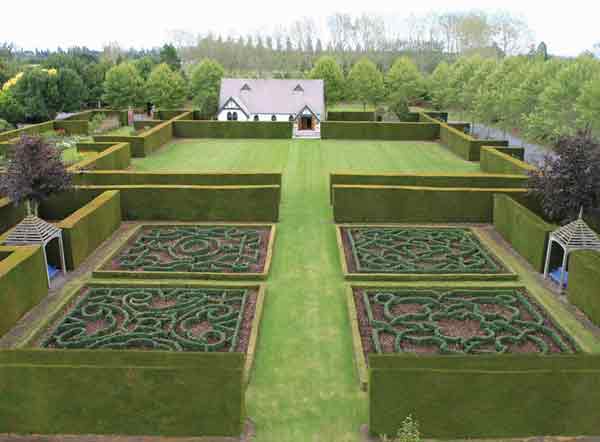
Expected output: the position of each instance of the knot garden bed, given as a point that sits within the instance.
(374, 252)
(205, 251)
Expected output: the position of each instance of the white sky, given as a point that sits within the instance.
(568, 27)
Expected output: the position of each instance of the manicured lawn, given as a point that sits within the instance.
(333, 155)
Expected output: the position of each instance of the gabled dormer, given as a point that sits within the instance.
(246, 88)
(298, 89)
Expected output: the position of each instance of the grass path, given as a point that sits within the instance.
(304, 387)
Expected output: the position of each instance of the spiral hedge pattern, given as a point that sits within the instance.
(417, 250)
(461, 321)
(218, 249)
(176, 319)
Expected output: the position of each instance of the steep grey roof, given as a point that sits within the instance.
(274, 96)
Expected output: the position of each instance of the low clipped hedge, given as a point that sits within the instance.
(127, 178)
(477, 180)
(584, 283)
(494, 161)
(185, 203)
(93, 147)
(465, 145)
(513, 151)
(115, 157)
(526, 232)
(500, 396)
(85, 229)
(137, 143)
(409, 204)
(34, 129)
(152, 393)
(145, 143)
(231, 129)
(146, 124)
(72, 127)
(379, 131)
(23, 284)
(10, 215)
(350, 116)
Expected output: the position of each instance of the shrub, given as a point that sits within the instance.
(569, 180)
(5, 126)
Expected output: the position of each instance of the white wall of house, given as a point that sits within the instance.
(261, 117)
(241, 116)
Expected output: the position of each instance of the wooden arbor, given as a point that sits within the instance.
(571, 237)
(33, 231)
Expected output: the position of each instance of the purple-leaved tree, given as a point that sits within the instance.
(569, 180)
(34, 172)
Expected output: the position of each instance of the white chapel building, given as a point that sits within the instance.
(299, 101)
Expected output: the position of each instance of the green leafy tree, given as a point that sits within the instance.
(123, 87)
(327, 69)
(145, 66)
(365, 83)
(168, 54)
(93, 77)
(588, 104)
(461, 73)
(37, 92)
(10, 109)
(205, 85)
(165, 88)
(398, 103)
(405, 78)
(438, 87)
(71, 89)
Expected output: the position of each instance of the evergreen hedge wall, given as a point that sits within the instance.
(350, 116)
(121, 392)
(34, 129)
(380, 131)
(406, 204)
(115, 157)
(185, 202)
(524, 230)
(476, 180)
(23, 284)
(501, 396)
(85, 229)
(138, 145)
(10, 215)
(73, 127)
(584, 283)
(231, 129)
(495, 161)
(127, 178)
(465, 145)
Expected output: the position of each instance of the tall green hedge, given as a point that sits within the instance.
(72, 127)
(169, 114)
(379, 131)
(584, 283)
(23, 283)
(10, 215)
(115, 157)
(121, 392)
(89, 226)
(494, 161)
(465, 145)
(524, 230)
(33, 129)
(128, 178)
(458, 397)
(350, 116)
(231, 129)
(188, 203)
(146, 124)
(138, 145)
(400, 204)
(477, 180)
(93, 147)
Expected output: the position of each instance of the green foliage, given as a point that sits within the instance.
(5, 126)
(93, 76)
(11, 110)
(524, 230)
(588, 104)
(365, 83)
(72, 90)
(464, 145)
(205, 85)
(438, 86)
(145, 66)
(23, 283)
(359, 130)
(494, 161)
(327, 69)
(124, 392)
(168, 54)
(524, 395)
(232, 129)
(404, 80)
(350, 116)
(396, 204)
(123, 87)
(166, 88)
(584, 280)
(398, 103)
(408, 432)
(38, 93)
